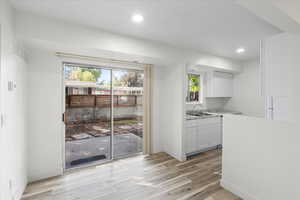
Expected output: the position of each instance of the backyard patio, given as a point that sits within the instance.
(90, 141)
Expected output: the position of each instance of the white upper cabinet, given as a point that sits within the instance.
(219, 84)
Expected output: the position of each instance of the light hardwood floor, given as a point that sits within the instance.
(158, 176)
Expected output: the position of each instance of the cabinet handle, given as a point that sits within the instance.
(64, 117)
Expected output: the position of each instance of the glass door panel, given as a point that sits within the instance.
(127, 112)
(87, 115)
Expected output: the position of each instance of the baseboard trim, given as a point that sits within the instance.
(236, 190)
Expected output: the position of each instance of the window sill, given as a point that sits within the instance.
(194, 103)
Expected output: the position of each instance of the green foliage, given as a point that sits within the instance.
(95, 72)
(194, 82)
(85, 74)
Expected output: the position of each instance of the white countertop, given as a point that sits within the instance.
(223, 112)
(193, 117)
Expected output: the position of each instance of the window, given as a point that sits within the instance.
(194, 94)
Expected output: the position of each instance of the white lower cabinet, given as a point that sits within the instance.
(203, 134)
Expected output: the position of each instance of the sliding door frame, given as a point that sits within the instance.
(147, 102)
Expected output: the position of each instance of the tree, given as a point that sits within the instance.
(85, 74)
(194, 87)
(132, 79)
(95, 72)
(194, 82)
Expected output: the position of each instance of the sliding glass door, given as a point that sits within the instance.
(103, 114)
(127, 112)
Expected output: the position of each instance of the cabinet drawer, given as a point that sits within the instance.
(204, 121)
(191, 123)
(210, 120)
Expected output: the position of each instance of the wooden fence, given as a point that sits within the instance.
(87, 100)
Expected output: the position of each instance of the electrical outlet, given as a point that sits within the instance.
(11, 86)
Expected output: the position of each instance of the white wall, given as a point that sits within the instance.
(44, 115)
(172, 111)
(246, 95)
(261, 158)
(13, 106)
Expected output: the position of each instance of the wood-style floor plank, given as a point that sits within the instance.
(157, 176)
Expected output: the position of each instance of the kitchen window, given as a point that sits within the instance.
(194, 88)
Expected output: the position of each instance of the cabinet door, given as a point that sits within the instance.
(190, 139)
(214, 135)
(223, 84)
(195, 140)
(219, 84)
(209, 84)
(210, 136)
(202, 138)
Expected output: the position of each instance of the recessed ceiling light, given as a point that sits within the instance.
(137, 18)
(240, 50)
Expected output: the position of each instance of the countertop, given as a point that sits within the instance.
(223, 112)
(193, 117)
(213, 113)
